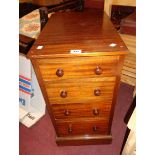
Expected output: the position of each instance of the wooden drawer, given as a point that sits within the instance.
(78, 67)
(65, 111)
(82, 127)
(81, 90)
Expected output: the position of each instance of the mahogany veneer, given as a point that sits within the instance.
(80, 90)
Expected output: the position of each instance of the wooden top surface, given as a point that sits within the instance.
(89, 31)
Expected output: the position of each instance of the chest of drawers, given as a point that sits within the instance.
(79, 86)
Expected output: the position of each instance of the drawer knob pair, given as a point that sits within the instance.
(70, 130)
(59, 72)
(97, 92)
(98, 70)
(95, 112)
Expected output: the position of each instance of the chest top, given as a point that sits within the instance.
(90, 31)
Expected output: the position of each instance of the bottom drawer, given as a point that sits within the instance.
(82, 127)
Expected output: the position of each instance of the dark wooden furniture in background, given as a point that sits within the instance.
(67, 4)
(128, 24)
(43, 16)
(80, 88)
(25, 42)
(119, 12)
(46, 2)
(25, 8)
(98, 4)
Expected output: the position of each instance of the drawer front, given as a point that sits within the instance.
(77, 67)
(81, 90)
(82, 127)
(65, 111)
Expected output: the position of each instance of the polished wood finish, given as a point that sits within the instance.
(82, 126)
(78, 110)
(66, 31)
(99, 4)
(77, 67)
(47, 2)
(84, 140)
(80, 89)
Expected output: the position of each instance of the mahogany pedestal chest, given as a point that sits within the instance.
(78, 60)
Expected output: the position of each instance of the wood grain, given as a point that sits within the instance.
(81, 90)
(82, 127)
(77, 67)
(74, 85)
(84, 140)
(90, 30)
(76, 110)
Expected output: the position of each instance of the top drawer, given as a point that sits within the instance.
(77, 67)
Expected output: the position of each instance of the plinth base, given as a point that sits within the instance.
(84, 140)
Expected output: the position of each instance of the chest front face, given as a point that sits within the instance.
(80, 88)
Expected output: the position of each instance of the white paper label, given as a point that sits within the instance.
(75, 51)
(39, 47)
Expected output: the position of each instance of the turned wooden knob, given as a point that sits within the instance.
(59, 72)
(98, 70)
(95, 128)
(97, 92)
(66, 112)
(63, 94)
(95, 111)
(70, 129)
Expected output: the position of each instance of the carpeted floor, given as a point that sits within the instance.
(40, 139)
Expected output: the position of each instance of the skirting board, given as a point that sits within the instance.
(84, 140)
